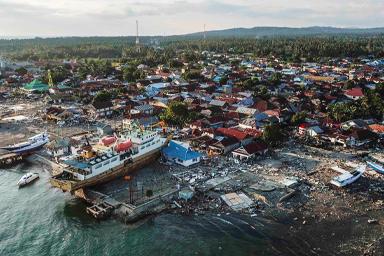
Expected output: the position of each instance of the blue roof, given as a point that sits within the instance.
(175, 150)
(261, 116)
(247, 102)
(216, 79)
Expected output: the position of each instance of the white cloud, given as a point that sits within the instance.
(117, 17)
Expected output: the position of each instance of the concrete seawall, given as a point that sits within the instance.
(131, 213)
(53, 167)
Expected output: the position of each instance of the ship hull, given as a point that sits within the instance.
(24, 151)
(119, 171)
(33, 144)
(376, 167)
(16, 147)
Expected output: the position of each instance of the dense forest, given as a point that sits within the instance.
(288, 48)
(257, 32)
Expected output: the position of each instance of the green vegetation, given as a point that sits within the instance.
(149, 193)
(371, 105)
(95, 68)
(298, 118)
(291, 48)
(21, 71)
(192, 75)
(216, 110)
(288, 48)
(275, 79)
(250, 84)
(273, 135)
(177, 114)
(102, 96)
(58, 73)
(131, 73)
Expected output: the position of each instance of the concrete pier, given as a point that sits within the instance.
(7, 159)
(104, 206)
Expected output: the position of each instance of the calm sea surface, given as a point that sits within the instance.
(40, 220)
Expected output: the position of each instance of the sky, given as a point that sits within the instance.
(48, 18)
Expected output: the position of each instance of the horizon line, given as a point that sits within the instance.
(10, 37)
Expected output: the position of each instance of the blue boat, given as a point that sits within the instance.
(377, 167)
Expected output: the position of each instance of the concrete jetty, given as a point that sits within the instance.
(8, 158)
(104, 206)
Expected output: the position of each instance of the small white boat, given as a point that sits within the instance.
(27, 178)
(346, 177)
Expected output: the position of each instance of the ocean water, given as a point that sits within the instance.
(40, 220)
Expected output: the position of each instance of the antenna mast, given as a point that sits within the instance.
(137, 36)
(205, 33)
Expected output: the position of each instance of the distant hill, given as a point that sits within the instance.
(9, 43)
(284, 31)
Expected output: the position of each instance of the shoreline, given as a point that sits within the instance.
(315, 205)
(325, 216)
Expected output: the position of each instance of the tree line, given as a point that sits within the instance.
(311, 48)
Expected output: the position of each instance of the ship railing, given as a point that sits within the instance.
(79, 171)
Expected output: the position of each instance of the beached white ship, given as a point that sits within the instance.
(32, 144)
(345, 178)
(132, 149)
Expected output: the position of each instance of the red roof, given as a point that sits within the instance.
(379, 128)
(199, 123)
(253, 132)
(234, 133)
(275, 113)
(330, 97)
(261, 105)
(215, 119)
(309, 93)
(231, 108)
(236, 90)
(228, 100)
(196, 132)
(232, 115)
(354, 92)
(304, 125)
(329, 122)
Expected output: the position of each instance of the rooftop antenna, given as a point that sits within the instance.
(137, 36)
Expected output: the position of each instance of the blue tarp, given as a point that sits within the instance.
(175, 150)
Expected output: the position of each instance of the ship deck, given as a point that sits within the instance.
(70, 184)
